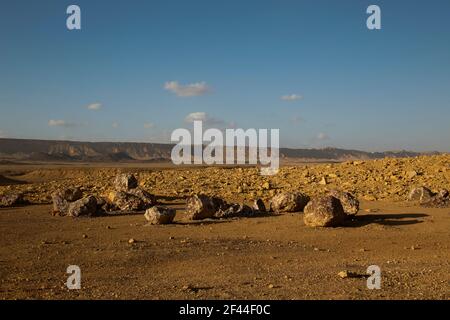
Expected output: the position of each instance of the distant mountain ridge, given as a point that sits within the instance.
(53, 150)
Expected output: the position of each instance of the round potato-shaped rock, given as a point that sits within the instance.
(159, 215)
(289, 202)
(325, 211)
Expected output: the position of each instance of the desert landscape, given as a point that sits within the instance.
(249, 152)
(240, 251)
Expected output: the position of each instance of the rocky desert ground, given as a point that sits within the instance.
(238, 251)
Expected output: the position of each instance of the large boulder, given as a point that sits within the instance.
(325, 211)
(125, 182)
(11, 200)
(348, 201)
(126, 201)
(62, 199)
(84, 207)
(421, 194)
(289, 202)
(200, 207)
(159, 215)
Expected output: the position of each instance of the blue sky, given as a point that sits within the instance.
(147, 67)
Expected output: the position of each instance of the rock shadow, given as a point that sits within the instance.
(388, 219)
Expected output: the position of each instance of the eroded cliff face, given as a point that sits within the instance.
(21, 149)
(49, 150)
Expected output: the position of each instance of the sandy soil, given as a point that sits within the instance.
(274, 257)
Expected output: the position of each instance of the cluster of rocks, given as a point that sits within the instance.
(323, 211)
(428, 198)
(126, 197)
(202, 207)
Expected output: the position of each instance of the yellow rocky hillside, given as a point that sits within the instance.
(384, 179)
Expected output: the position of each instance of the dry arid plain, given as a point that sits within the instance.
(272, 255)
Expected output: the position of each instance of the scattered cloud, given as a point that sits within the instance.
(148, 125)
(60, 123)
(94, 106)
(322, 137)
(115, 125)
(188, 90)
(204, 117)
(291, 97)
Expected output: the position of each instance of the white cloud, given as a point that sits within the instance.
(94, 106)
(322, 136)
(196, 116)
(115, 125)
(148, 125)
(204, 117)
(291, 97)
(189, 90)
(60, 123)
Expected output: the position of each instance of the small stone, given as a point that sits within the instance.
(323, 181)
(343, 274)
(84, 236)
(131, 241)
(266, 186)
(270, 286)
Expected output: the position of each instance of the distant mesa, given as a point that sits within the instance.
(63, 151)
